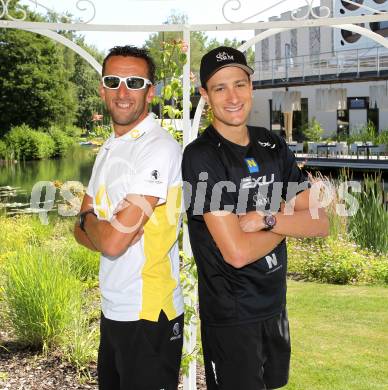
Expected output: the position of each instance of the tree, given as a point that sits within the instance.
(42, 82)
(250, 54)
(198, 42)
(34, 85)
(86, 81)
(34, 81)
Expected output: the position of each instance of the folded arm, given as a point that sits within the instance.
(302, 217)
(237, 247)
(113, 237)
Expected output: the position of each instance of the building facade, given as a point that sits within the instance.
(319, 61)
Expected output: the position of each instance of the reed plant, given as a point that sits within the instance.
(79, 343)
(369, 226)
(42, 296)
(83, 263)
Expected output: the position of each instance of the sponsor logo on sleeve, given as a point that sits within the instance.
(154, 177)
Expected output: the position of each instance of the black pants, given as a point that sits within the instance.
(140, 355)
(254, 356)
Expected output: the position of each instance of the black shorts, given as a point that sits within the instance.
(253, 356)
(140, 355)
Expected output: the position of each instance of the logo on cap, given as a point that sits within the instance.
(223, 56)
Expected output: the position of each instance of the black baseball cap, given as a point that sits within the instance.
(219, 58)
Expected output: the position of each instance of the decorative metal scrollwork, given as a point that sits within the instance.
(238, 6)
(6, 14)
(85, 8)
(324, 12)
(309, 11)
(4, 9)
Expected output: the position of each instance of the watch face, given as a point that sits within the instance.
(270, 221)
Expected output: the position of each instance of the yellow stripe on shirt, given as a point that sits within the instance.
(159, 236)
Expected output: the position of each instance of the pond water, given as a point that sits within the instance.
(18, 180)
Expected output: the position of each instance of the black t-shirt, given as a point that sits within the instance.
(221, 175)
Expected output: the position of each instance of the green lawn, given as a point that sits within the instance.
(339, 337)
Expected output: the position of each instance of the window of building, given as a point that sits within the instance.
(276, 120)
(342, 123)
(360, 103)
(356, 103)
(299, 119)
(373, 116)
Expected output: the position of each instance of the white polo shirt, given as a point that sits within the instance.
(145, 279)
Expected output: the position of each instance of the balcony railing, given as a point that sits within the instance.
(359, 63)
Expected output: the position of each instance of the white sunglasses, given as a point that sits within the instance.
(132, 82)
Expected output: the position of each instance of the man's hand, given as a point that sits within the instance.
(253, 221)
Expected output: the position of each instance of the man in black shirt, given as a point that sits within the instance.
(237, 179)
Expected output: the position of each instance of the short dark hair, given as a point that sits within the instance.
(132, 51)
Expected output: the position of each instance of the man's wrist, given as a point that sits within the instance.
(82, 218)
(269, 222)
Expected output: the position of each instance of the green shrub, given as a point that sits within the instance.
(382, 138)
(62, 141)
(29, 144)
(3, 150)
(335, 261)
(313, 130)
(379, 271)
(366, 133)
(42, 296)
(73, 132)
(369, 226)
(101, 132)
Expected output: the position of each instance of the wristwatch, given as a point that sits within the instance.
(82, 218)
(269, 222)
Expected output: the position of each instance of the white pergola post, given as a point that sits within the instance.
(190, 380)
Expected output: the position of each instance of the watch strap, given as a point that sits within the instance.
(82, 218)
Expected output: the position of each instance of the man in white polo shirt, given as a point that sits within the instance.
(130, 214)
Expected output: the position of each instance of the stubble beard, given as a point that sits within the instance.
(126, 119)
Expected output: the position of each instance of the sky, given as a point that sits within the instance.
(145, 12)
